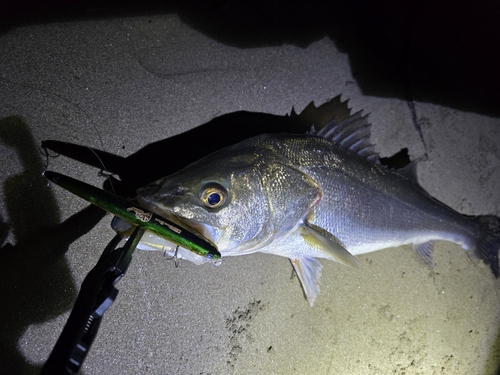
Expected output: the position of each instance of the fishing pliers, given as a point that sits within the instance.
(98, 290)
(96, 295)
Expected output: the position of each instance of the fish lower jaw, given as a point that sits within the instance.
(235, 251)
(235, 248)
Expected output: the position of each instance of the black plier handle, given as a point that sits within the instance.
(97, 293)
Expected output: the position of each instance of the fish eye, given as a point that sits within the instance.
(213, 196)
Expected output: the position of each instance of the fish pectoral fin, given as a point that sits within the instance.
(324, 241)
(424, 250)
(309, 272)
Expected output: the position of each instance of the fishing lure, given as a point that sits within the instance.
(137, 216)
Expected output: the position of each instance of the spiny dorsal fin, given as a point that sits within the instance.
(351, 134)
(354, 134)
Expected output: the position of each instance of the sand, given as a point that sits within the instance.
(119, 84)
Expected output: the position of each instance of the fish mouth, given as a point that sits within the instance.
(146, 193)
(202, 230)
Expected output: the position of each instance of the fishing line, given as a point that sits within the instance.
(45, 152)
(108, 174)
(93, 124)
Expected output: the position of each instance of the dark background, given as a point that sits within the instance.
(442, 52)
(446, 54)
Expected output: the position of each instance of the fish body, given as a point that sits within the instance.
(319, 195)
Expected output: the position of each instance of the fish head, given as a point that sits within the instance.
(221, 197)
(242, 198)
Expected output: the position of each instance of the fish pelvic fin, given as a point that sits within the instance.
(488, 242)
(309, 272)
(324, 241)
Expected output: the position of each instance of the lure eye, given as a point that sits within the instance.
(214, 196)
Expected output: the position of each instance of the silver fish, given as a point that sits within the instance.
(320, 195)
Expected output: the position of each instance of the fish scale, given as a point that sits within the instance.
(320, 195)
(365, 206)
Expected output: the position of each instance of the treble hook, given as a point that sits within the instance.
(177, 260)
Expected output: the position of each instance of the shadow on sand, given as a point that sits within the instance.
(35, 281)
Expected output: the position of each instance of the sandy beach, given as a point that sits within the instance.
(121, 83)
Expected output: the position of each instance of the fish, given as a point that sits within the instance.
(323, 194)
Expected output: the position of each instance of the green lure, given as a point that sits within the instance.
(136, 215)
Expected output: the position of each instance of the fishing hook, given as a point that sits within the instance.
(177, 260)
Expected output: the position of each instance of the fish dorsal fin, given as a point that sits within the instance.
(410, 172)
(351, 134)
(313, 130)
